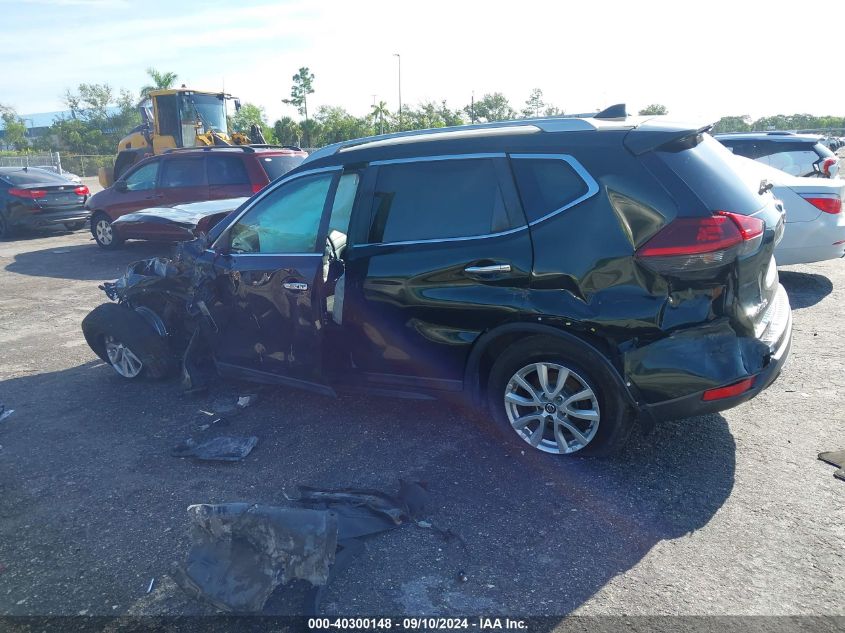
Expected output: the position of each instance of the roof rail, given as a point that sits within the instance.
(549, 124)
(244, 148)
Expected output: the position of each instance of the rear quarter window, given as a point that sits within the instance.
(708, 171)
(546, 185)
(226, 170)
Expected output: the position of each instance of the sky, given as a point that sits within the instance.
(700, 59)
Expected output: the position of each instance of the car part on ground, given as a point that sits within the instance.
(571, 293)
(222, 449)
(36, 198)
(835, 458)
(241, 552)
(815, 224)
(803, 155)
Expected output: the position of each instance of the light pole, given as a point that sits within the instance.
(399, 60)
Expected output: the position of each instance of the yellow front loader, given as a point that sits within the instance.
(176, 118)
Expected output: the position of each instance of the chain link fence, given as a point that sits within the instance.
(82, 165)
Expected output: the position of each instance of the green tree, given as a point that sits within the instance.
(161, 81)
(491, 107)
(733, 124)
(333, 124)
(249, 115)
(14, 128)
(534, 105)
(98, 119)
(379, 114)
(303, 85)
(286, 131)
(655, 109)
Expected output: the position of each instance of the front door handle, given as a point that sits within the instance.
(295, 285)
(492, 268)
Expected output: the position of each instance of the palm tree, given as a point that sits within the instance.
(379, 113)
(161, 81)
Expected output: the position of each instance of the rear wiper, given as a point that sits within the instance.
(765, 186)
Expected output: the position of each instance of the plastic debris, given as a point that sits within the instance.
(246, 401)
(152, 583)
(462, 576)
(4, 412)
(835, 458)
(241, 552)
(224, 448)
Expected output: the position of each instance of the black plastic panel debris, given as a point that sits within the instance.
(835, 458)
(242, 552)
(223, 448)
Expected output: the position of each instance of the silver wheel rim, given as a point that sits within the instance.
(104, 232)
(122, 359)
(552, 408)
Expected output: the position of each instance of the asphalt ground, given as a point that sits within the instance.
(723, 514)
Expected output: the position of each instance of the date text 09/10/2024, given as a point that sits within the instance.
(423, 623)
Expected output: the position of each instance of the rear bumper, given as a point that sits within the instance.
(778, 335)
(693, 405)
(51, 218)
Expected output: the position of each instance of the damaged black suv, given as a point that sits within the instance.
(571, 274)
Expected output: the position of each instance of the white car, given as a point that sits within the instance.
(815, 223)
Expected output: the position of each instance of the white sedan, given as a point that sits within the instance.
(815, 223)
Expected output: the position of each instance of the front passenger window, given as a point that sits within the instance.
(286, 220)
(143, 178)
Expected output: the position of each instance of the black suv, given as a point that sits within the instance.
(803, 155)
(572, 275)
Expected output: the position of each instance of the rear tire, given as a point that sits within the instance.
(111, 330)
(555, 419)
(103, 232)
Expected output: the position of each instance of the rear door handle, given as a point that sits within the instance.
(295, 285)
(492, 268)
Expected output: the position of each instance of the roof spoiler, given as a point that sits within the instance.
(647, 137)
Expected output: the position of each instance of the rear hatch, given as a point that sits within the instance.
(729, 215)
(277, 165)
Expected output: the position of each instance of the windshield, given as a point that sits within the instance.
(209, 110)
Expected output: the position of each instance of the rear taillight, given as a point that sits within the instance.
(827, 164)
(829, 204)
(81, 190)
(692, 244)
(29, 194)
(257, 188)
(728, 392)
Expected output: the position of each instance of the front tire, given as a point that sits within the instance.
(557, 397)
(127, 342)
(103, 232)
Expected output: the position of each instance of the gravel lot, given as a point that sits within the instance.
(724, 514)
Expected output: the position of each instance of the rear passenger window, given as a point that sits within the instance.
(183, 172)
(546, 185)
(439, 199)
(226, 170)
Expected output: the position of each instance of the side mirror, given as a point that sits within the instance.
(121, 186)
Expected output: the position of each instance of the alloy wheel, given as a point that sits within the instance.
(552, 408)
(122, 359)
